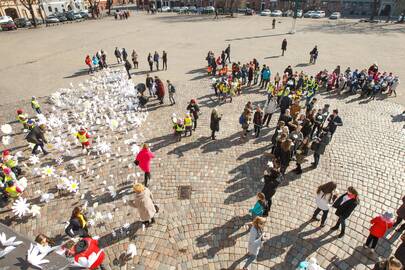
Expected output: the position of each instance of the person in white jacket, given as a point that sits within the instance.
(256, 238)
(325, 195)
(270, 108)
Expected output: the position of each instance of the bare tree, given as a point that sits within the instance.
(29, 4)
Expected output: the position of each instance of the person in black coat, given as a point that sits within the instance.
(128, 67)
(214, 125)
(389, 264)
(77, 224)
(289, 71)
(400, 252)
(285, 103)
(194, 110)
(345, 205)
(272, 180)
(283, 46)
(334, 121)
(284, 155)
(37, 137)
(319, 146)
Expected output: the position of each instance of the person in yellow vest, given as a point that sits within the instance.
(35, 105)
(22, 118)
(8, 174)
(178, 129)
(188, 124)
(12, 190)
(10, 162)
(84, 138)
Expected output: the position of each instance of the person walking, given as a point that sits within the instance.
(334, 121)
(117, 54)
(269, 110)
(400, 216)
(143, 202)
(143, 160)
(273, 23)
(214, 123)
(35, 105)
(88, 63)
(135, 59)
(150, 62)
(258, 121)
(394, 86)
(164, 58)
(160, 89)
(283, 46)
(156, 59)
(37, 137)
(128, 67)
(389, 264)
(194, 110)
(400, 252)
(124, 54)
(256, 239)
(313, 55)
(272, 180)
(259, 207)
(149, 85)
(319, 146)
(345, 205)
(324, 197)
(379, 226)
(78, 225)
(172, 90)
(228, 53)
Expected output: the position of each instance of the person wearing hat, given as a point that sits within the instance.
(12, 190)
(11, 162)
(35, 105)
(143, 160)
(379, 226)
(22, 118)
(30, 124)
(188, 124)
(143, 201)
(194, 110)
(83, 137)
(37, 137)
(9, 175)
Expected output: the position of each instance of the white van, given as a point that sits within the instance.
(318, 14)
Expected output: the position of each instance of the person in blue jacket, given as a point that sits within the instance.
(260, 206)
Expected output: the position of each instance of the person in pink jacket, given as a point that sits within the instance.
(143, 160)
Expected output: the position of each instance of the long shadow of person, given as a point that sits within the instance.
(356, 257)
(221, 237)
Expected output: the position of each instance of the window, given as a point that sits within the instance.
(49, 9)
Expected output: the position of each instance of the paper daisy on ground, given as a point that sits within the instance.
(6, 129)
(104, 147)
(73, 186)
(35, 210)
(34, 159)
(48, 171)
(6, 140)
(21, 207)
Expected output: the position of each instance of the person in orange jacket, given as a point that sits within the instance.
(379, 227)
(84, 138)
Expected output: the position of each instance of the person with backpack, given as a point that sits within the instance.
(171, 89)
(260, 206)
(194, 110)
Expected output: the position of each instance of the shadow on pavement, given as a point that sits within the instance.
(255, 37)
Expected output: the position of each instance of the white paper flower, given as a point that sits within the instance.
(46, 197)
(34, 159)
(21, 207)
(35, 210)
(6, 140)
(36, 257)
(9, 244)
(59, 161)
(112, 191)
(73, 186)
(48, 171)
(104, 147)
(6, 129)
(114, 124)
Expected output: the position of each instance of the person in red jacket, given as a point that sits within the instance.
(87, 253)
(88, 63)
(143, 160)
(379, 227)
(160, 89)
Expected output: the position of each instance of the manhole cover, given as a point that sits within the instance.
(184, 192)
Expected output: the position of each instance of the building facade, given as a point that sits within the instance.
(15, 9)
(52, 6)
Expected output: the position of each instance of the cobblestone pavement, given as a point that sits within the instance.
(208, 231)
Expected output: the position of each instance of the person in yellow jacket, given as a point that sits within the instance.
(12, 190)
(188, 124)
(35, 105)
(84, 138)
(22, 118)
(178, 129)
(10, 162)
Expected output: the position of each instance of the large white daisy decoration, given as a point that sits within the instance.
(21, 207)
(73, 186)
(48, 171)
(6, 140)
(34, 159)
(6, 129)
(104, 147)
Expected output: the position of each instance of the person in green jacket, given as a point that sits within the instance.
(35, 105)
(260, 206)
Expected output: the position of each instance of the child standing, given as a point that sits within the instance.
(35, 105)
(83, 137)
(379, 227)
(188, 124)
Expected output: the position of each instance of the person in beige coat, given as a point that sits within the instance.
(144, 203)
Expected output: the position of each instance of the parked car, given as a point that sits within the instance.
(276, 13)
(249, 12)
(38, 21)
(318, 14)
(335, 16)
(61, 17)
(84, 14)
(209, 9)
(175, 9)
(6, 26)
(22, 22)
(51, 19)
(241, 10)
(4, 19)
(78, 16)
(288, 13)
(309, 14)
(165, 9)
(70, 15)
(265, 12)
(183, 10)
(192, 9)
(299, 13)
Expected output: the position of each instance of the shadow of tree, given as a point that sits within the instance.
(355, 28)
